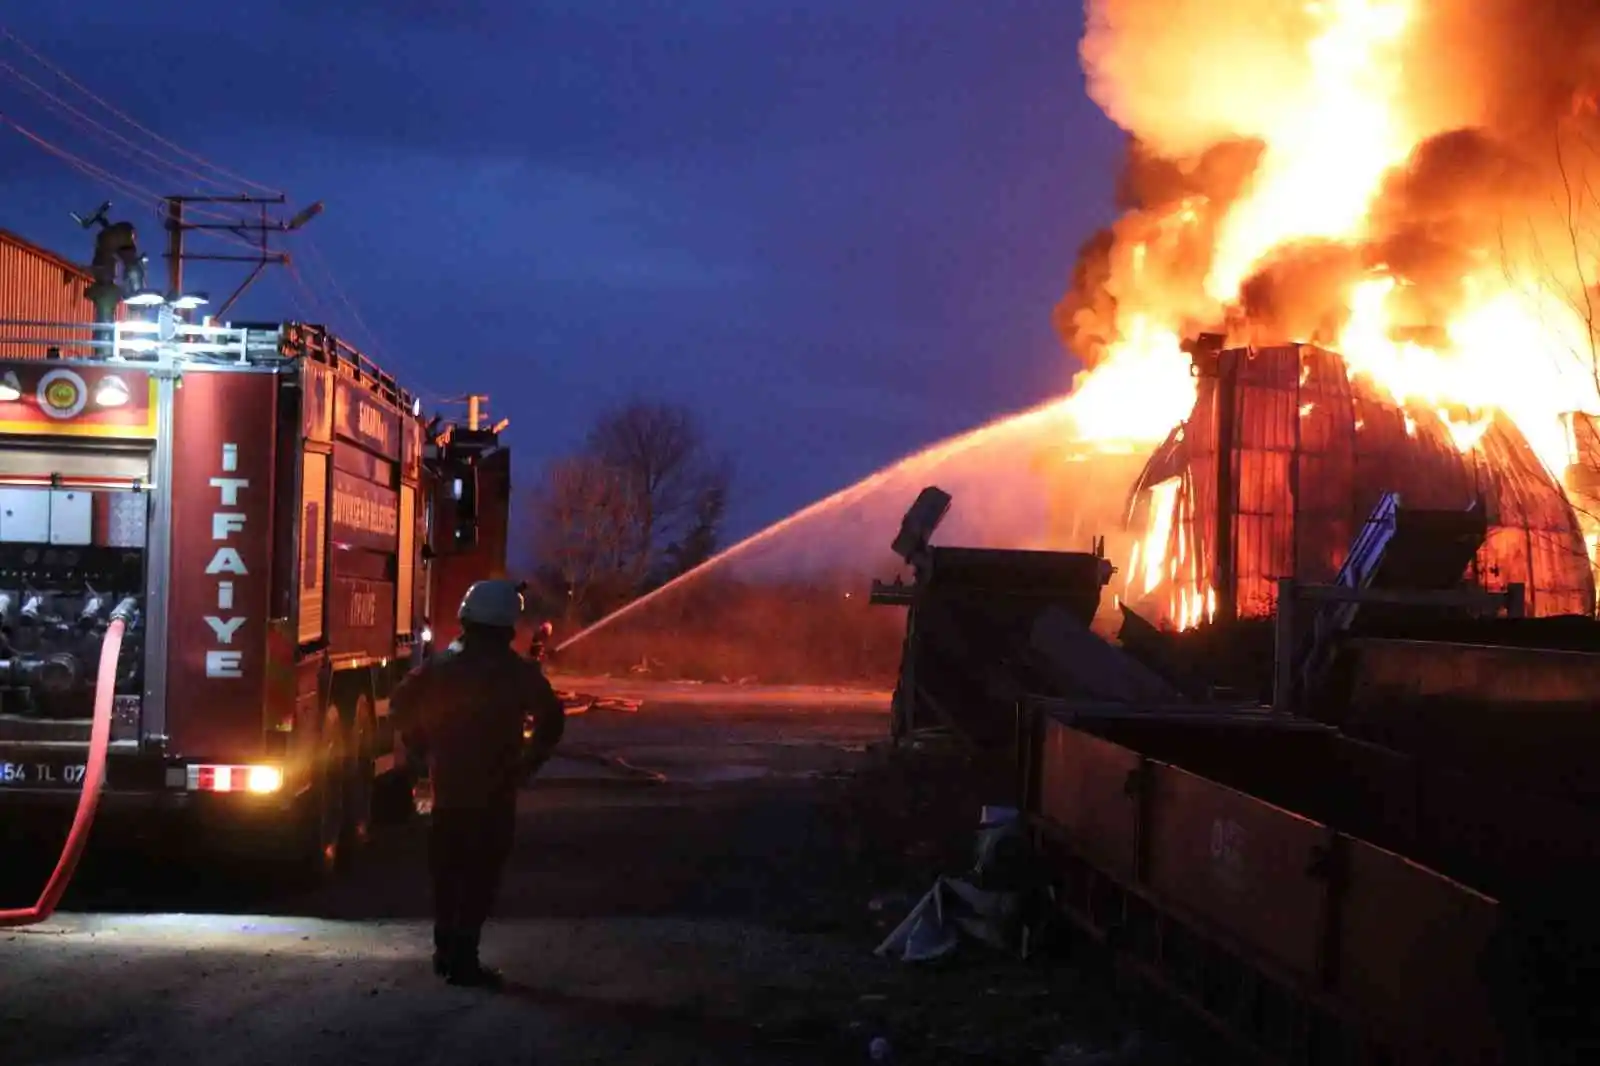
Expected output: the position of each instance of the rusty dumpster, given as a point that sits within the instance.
(1275, 921)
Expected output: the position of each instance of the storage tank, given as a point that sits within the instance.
(1309, 453)
(39, 286)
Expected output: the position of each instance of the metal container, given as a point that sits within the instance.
(1409, 949)
(1240, 866)
(1459, 703)
(1084, 787)
(1233, 900)
(39, 286)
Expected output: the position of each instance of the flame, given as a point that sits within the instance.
(1138, 395)
(1164, 512)
(1331, 145)
(1333, 102)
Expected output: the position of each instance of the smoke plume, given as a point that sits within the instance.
(1490, 110)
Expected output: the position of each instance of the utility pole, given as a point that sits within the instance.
(258, 233)
(477, 420)
(458, 454)
(174, 224)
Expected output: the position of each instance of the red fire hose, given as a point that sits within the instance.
(89, 799)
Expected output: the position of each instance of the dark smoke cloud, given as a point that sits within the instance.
(1298, 293)
(1105, 281)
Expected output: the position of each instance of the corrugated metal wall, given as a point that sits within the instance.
(37, 286)
(1311, 454)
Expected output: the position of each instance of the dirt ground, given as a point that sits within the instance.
(727, 915)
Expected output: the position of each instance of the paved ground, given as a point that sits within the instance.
(725, 916)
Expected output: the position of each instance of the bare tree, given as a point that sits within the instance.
(585, 518)
(1553, 261)
(679, 487)
(700, 541)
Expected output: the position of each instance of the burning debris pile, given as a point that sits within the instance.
(1409, 183)
(1283, 458)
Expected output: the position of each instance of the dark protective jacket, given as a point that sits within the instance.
(465, 709)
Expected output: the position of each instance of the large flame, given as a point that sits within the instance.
(1389, 178)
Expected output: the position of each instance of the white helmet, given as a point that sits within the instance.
(492, 603)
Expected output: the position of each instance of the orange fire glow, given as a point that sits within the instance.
(1340, 98)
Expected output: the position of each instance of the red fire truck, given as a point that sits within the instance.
(263, 507)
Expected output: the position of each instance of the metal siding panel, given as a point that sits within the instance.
(1201, 436)
(1411, 942)
(1240, 865)
(38, 287)
(1083, 788)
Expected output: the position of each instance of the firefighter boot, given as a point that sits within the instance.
(467, 971)
(444, 951)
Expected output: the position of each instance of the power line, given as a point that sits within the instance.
(65, 77)
(104, 176)
(162, 166)
(100, 131)
(379, 348)
(108, 179)
(305, 314)
(338, 290)
(320, 307)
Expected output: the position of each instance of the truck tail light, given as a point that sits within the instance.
(259, 780)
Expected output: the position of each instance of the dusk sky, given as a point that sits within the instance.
(836, 229)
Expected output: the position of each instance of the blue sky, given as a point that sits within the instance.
(836, 229)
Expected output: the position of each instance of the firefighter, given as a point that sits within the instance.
(463, 712)
(539, 646)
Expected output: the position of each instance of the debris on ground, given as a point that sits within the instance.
(575, 703)
(986, 906)
(905, 820)
(619, 768)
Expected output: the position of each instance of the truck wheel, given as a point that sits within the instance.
(356, 827)
(325, 820)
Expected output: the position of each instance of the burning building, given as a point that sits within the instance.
(1285, 455)
(1390, 180)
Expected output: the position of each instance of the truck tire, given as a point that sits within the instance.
(356, 825)
(322, 830)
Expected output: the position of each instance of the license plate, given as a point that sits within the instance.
(34, 774)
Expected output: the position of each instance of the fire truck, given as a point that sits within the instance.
(270, 517)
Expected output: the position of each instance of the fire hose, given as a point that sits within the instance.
(93, 779)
